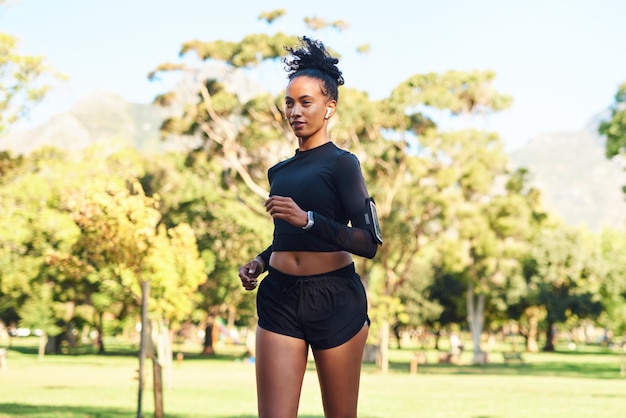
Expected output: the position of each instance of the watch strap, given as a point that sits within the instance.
(310, 220)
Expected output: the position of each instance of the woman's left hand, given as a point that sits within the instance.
(285, 208)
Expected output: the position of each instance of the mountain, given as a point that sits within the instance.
(96, 118)
(101, 117)
(577, 181)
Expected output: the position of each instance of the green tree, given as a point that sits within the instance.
(564, 274)
(465, 167)
(510, 300)
(613, 284)
(412, 168)
(615, 128)
(487, 227)
(24, 81)
(615, 132)
(90, 288)
(482, 255)
(120, 246)
(80, 225)
(31, 228)
(37, 313)
(191, 191)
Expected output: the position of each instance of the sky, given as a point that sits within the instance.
(561, 60)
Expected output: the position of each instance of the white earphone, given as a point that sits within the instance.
(327, 113)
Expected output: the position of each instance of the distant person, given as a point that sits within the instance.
(312, 295)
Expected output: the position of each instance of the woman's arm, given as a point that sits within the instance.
(363, 235)
(355, 240)
(265, 258)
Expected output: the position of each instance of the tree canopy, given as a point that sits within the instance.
(24, 81)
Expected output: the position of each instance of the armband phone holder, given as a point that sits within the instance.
(373, 220)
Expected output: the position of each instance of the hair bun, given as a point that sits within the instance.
(312, 54)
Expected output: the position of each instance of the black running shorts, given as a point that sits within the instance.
(326, 310)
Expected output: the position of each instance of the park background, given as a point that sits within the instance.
(489, 134)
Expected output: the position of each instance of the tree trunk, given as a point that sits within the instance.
(145, 345)
(53, 344)
(398, 337)
(99, 329)
(533, 325)
(164, 350)
(437, 337)
(475, 318)
(208, 349)
(157, 388)
(43, 340)
(550, 335)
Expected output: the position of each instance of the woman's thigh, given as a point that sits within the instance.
(280, 365)
(339, 371)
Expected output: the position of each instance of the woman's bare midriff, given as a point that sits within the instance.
(307, 263)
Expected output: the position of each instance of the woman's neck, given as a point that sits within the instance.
(312, 142)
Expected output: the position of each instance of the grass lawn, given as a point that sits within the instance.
(565, 384)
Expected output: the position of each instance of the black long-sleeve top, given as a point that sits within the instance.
(328, 181)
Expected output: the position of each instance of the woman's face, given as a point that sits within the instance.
(306, 107)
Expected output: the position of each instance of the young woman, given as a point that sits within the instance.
(312, 295)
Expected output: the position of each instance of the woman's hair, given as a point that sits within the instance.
(312, 59)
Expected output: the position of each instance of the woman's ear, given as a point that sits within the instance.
(330, 109)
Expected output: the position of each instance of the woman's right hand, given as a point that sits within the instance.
(249, 272)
